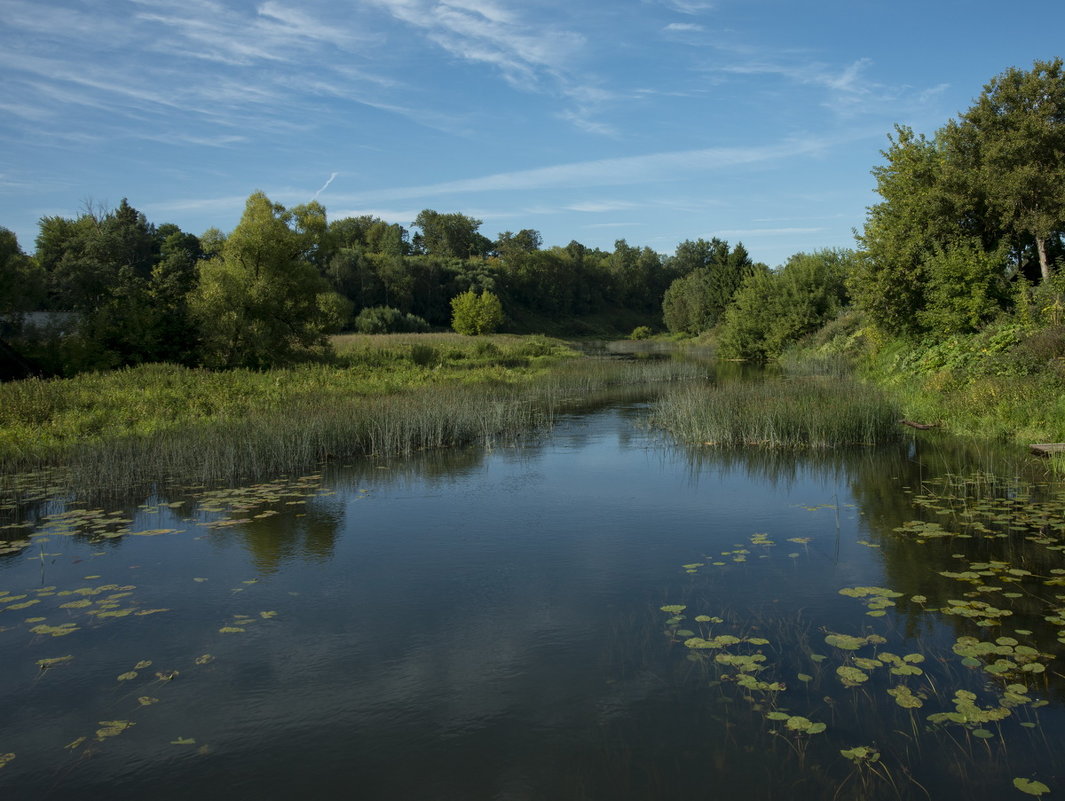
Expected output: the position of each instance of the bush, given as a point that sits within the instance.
(424, 355)
(775, 309)
(474, 314)
(386, 320)
(641, 332)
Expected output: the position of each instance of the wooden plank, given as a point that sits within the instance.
(1047, 448)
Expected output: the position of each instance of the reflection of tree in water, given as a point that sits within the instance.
(778, 467)
(309, 534)
(433, 466)
(310, 531)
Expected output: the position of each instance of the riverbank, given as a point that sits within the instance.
(1005, 382)
(380, 395)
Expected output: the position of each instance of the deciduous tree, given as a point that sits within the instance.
(261, 301)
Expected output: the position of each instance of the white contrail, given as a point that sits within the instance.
(325, 186)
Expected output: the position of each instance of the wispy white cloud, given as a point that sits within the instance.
(525, 52)
(599, 206)
(850, 88)
(797, 219)
(213, 204)
(26, 111)
(689, 6)
(172, 61)
(180, 138)
(332, 177)
(529, 54)
(580, 119)
(624, 171)
(618, 171)
(683, 27)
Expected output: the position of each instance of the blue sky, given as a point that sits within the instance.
(650, 120)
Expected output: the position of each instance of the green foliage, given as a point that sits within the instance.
(966, 288)
(21, 280)
(1014, 136)
(126, 280)
(386, 320)
(258, 303)
(387, 394)
(774, 309)
(779, 414)
(511, 246)
(474, 314)
(641, 332)
(450, 235)
(268, 292)
(963, 212)
(917, 215)
(696, 301)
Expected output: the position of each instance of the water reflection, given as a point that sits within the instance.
(494, 619)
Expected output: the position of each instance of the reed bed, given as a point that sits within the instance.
(280, 421)
(782, 413)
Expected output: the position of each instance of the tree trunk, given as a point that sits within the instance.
(1044, 268)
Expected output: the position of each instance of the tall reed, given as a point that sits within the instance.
(327, 417)
(779, 413)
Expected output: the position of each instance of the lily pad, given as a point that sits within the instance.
(1030, 786)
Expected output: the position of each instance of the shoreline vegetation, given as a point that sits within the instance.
(383, 396)
(807, 412)
(1005, 382)
(393, 394)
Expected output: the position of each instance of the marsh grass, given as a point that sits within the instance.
(106, 432)
(812, 412)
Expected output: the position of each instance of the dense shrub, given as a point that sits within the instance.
(386, 320)
(773, 309)
(474, 314)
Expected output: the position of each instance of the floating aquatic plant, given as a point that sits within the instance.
(1030, 786)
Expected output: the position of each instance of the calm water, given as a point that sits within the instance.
(489, 625)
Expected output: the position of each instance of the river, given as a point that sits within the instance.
(595, 614)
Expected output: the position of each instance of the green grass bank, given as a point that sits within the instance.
(1005, 382)
(381, 395)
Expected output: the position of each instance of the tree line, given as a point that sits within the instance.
(270, 292)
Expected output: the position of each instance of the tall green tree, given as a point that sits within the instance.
(1016, 132)
(21, 279)
(511, 246)
(695, 302)
(916, 216)
(126, 280)
(967, 210)
(774, 308)
(450, 235)
(261, 301)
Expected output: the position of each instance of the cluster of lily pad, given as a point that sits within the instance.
(1013, 665)
(213, 508)
(49, 612)
(742, 552)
